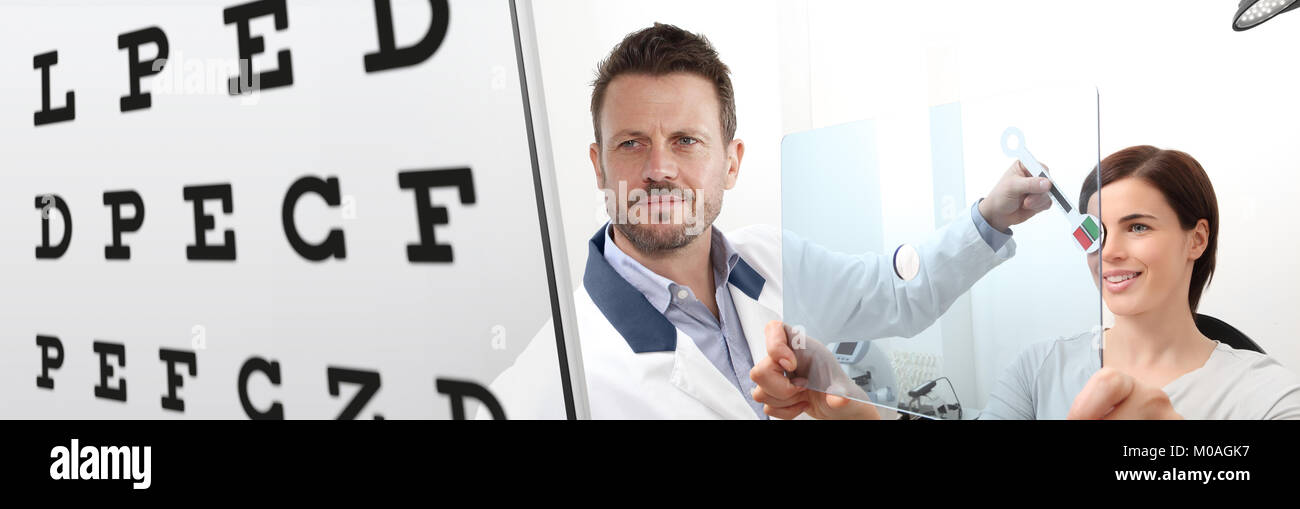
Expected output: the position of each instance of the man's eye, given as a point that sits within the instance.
(687, 140)
(628, 144)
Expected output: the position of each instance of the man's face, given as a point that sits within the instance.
(662, 140)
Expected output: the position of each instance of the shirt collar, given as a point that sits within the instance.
(644, 328)
(657, 289)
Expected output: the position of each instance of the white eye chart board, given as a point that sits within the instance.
(269, 209)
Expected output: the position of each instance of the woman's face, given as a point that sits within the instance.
(1147, 257)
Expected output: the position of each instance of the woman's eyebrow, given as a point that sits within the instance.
(1132, 217)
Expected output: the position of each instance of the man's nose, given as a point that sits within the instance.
(660, 165)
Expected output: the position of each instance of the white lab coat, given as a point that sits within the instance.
(638, 366)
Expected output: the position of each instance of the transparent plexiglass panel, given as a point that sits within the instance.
(895, 292)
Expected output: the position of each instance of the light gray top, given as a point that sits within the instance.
(1233, 384)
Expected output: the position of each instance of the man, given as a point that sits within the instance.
(671, 312)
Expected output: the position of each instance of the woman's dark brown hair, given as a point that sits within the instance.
(1185, 186)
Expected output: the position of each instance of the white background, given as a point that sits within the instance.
(1172, 73)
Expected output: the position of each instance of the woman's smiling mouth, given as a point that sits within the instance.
(1119, 280)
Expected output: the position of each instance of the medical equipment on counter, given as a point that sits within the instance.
(869, 366)
(923, 401)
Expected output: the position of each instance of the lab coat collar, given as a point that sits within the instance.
(643, 327)
(754, 317)
(747, 279)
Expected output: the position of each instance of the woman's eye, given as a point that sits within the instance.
(1139, 228)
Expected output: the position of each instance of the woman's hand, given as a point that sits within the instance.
(777, 374)
(1111, 394)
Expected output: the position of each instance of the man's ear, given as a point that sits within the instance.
(735, 152)
(1200, 239)
(595, 165)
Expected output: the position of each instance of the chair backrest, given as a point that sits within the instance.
(1220, 331)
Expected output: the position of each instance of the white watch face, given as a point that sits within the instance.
(907, 264)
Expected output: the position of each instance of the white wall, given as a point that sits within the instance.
(1172, 73)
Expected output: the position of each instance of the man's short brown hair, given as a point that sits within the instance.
(660, 50)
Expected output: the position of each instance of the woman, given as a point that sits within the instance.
(1161, 219)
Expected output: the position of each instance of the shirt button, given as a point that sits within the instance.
(681, 294)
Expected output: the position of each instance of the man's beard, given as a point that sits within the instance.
(669, 235)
